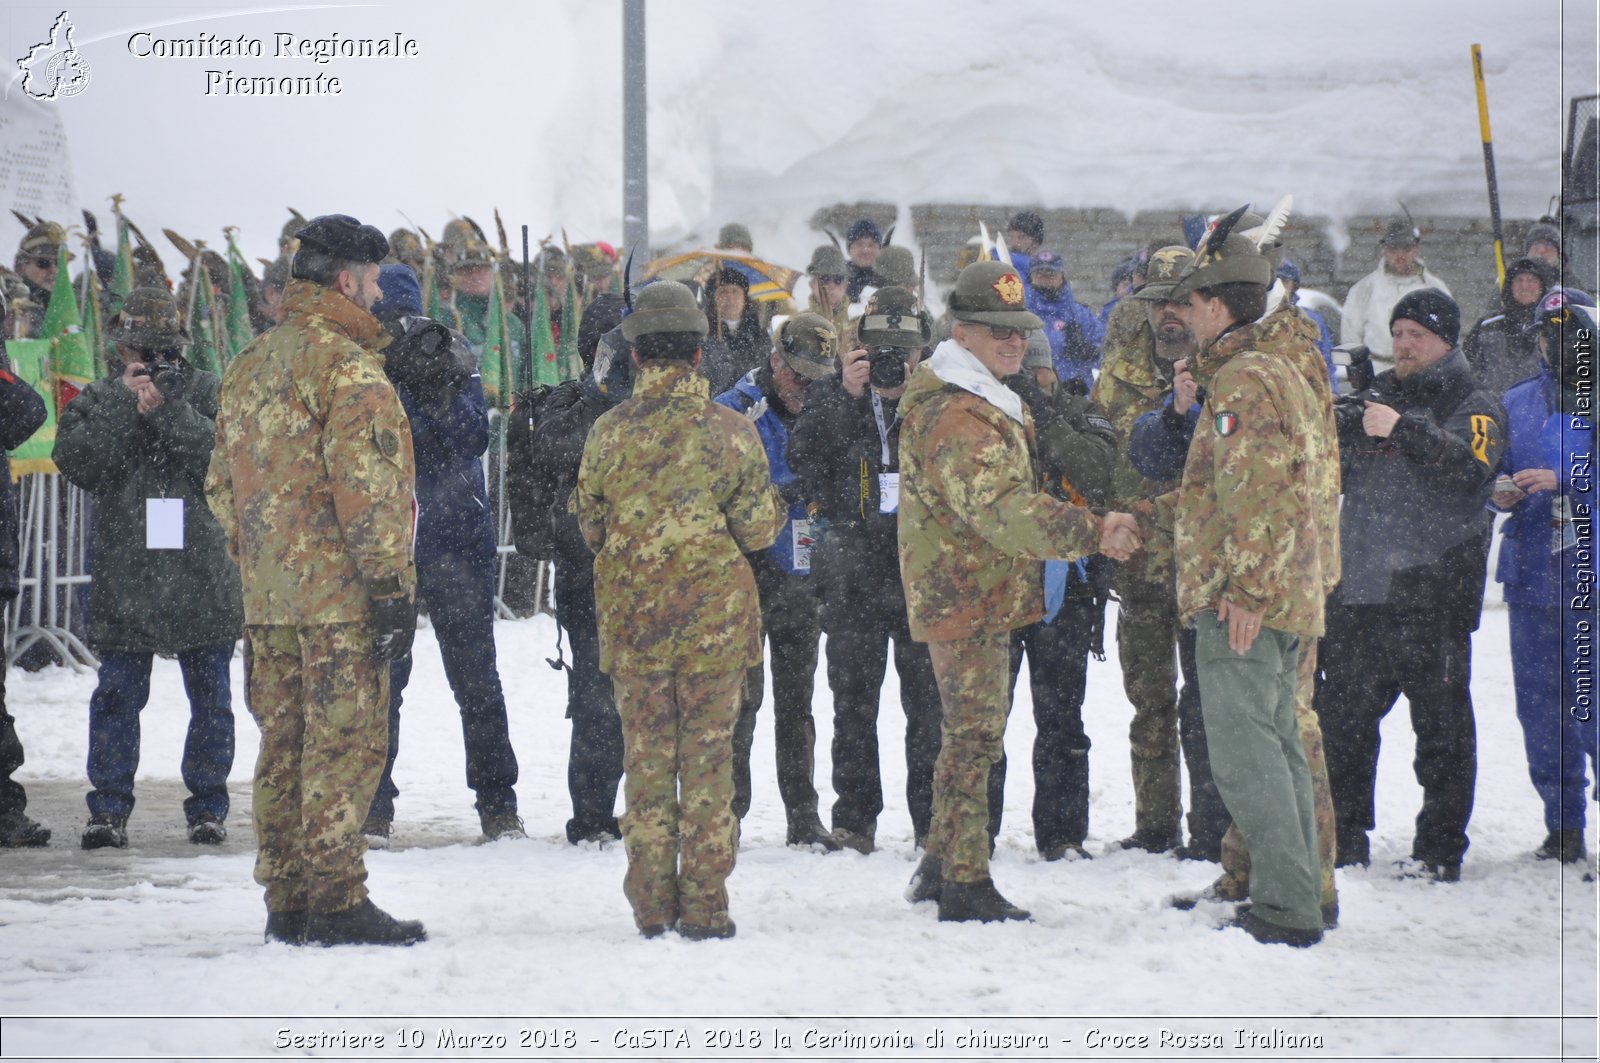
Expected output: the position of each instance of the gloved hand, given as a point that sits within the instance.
(395, 622)
(1037, 399)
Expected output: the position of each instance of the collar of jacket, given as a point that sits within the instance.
(956, 365)
(305, 302)
(659, 377)
(1235, 338)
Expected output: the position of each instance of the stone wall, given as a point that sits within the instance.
(1459, 250)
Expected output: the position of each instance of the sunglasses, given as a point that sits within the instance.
(46, 263)
(1002, 333)
(830, 279)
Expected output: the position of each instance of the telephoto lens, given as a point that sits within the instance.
(888, 367)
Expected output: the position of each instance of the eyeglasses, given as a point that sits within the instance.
(830, 279)
(1001, 333)
(45, 263)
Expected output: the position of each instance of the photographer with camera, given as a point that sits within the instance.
(139, 441)
(1419, 451)
(845, 447)
(435, 374)
(1077, 448)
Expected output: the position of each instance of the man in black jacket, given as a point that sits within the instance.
(845, 448)
(21, 413)
(546, 529)
(1419, 451)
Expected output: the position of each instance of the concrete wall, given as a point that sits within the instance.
(1459, 250)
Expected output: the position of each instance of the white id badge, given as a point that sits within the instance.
(163, 524)
(803, 542)
(888, 492)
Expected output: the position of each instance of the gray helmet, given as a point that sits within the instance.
(808, 344)
(991, 293)
(893, 320)
(664, 306)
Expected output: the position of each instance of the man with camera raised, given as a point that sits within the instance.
(139, 441)
(845, 447)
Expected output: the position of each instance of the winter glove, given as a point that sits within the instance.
(395, 622)
(1038, 400)
(1083, 417)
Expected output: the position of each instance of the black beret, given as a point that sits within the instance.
(344, 237)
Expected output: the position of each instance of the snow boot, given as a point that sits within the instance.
(17, 831)
(286, 927)
(1565, 845)
(845, 838)
(1271, 933)
(1151, 841)
(810, 833)
(926, 881)
(980, 902)
(365, 924)
(697, 932)
(207, 830)
(498, 826)
(106, 831)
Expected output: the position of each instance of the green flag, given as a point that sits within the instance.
(567, 356)
(122, 274)
(202, 325)
(541, 361)
(239, 332)
(94, 326)
(494, 359)
(30, 361)
(72, 362)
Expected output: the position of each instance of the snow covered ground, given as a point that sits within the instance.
(539, 928)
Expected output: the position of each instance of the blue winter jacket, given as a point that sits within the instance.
(1074, 332)
(1158, 446)
(744, 397)
(453, 515)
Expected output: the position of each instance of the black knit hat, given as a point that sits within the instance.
(1433, 310)
(1026, 221)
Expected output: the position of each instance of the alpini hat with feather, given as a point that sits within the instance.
(1226, 255)
(991, 293)
(664, 306)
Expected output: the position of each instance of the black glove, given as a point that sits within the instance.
(1038, 400)
(1360, 373)
(395, 622)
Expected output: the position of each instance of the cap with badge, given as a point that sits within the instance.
(826, 261)
(991, 293)
(808, 344)
(1162, 271)
(343, 237)
(893, 320)
(664, 306)
(148, 321)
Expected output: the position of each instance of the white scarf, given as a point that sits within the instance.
(954, 364)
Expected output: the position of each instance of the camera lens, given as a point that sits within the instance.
(888, 367)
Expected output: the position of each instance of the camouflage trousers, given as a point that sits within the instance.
(1235, 880)
(1148, 634)
(679, 828)
(975, 691)
(321, 699)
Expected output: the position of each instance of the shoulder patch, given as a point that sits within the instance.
(388, 442)
(1227, 423)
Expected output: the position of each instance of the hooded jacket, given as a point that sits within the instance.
(1365, 317)
(1503, 348)
(974, 524)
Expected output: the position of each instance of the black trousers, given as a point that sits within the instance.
(792, 629)
(1058, 660)
(459, 591)
(1369, 657)
(13, 798)
(594, 759)
(1208, 816)
(858, 655)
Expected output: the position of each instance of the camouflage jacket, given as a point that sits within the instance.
(313, 476)
(673, 491)
(974, 524)
(1131, 384)
(1255, 520)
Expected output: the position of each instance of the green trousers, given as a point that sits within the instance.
(1259, 763)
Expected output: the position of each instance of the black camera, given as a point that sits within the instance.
(888, 367)
(165, 370)
(427, 356)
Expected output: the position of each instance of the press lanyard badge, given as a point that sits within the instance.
(802, 542)
(888, 482)
(163, 524)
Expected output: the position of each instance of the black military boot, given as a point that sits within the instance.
(697, 932)
(365, 924)
(1151, 841)
(17, 831)
(1565, 845)
(286, 927)
(926, 881)
(105, 831)
(810, 832)
(976, 902)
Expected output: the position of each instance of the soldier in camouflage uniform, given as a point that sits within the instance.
(974, 526)
(313, 480)
(1250, 530)
(673, 491)
(1144, 341)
